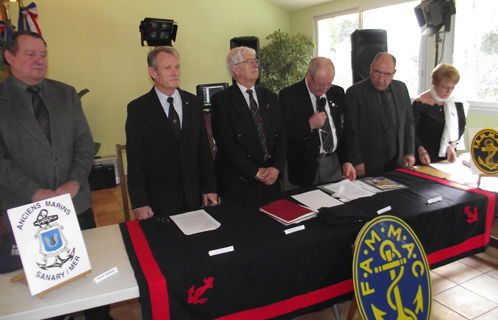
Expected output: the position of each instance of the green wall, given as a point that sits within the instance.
(96, 45)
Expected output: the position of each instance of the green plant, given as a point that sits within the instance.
(285, 59)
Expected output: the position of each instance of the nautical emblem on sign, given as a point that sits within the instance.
(53, 244)
(390, 272)
(484, 151)
(472, 216)
(194, 297)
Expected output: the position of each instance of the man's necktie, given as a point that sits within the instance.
(41, 112)
(325, 130)
(390, 129)
(253, 106)
(173, 118)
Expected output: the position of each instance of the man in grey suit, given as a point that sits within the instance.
(379, 122)
(46, 148)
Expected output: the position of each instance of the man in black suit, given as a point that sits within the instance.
(380, 127)
(313, 113)
(248, 131)
(170, 167)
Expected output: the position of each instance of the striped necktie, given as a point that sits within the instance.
(325, 130)
(253, 106)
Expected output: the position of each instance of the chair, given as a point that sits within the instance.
(124, 186)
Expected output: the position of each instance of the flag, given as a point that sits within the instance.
(27, 16)
(5, 30)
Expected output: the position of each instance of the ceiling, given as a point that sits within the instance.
(296, 5)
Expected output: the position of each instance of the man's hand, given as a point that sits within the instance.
(348, 171)
(210, 199)
(143, 213)
(360, 169)
(71, 187)
(43, 194)
(408, 161)
(269, 176)
(317, 120)
(261, 173)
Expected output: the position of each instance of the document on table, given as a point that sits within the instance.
(452, 168)
(317, 199)
(346, 190)
(195, 222)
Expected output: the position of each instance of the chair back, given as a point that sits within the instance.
(122, 178)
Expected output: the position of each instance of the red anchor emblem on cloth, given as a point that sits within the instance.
(194, 297)
(472, 217)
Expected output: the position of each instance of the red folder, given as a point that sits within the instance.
(287, 212)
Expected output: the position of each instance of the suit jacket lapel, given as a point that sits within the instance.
(188, 114)
(24, 113)
(304, 95)
(242, 109)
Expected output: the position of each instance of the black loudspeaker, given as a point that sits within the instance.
(251, 42)
(365, 44)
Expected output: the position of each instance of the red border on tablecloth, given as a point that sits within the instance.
(472, 243)
(158, 290)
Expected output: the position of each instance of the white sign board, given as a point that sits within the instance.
(50, 242)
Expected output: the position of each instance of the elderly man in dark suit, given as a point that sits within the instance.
(46, 148)
(380, 125)
(313, 113)
(248, 131)
(170, 167)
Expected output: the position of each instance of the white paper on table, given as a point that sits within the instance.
(316, 199)
(346, 190)
(456, 167)
(195, 222)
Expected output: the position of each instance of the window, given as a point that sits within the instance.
(334, 42)
(476, 49)
(403, 40)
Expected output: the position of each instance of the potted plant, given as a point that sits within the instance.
(285, 60)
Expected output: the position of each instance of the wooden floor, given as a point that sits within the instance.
(108, 207)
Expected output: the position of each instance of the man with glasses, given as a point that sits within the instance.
(313, 113)
(248, 131)
(380, 132)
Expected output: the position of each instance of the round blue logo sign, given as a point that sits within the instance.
(390, 272)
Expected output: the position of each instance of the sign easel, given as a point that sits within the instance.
(50, 244)
(21, 278)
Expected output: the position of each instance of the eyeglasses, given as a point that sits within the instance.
(447, 88)
(380, 74)
(248, 61)
(320, 87)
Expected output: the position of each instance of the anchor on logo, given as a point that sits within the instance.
(395, 261)
(194, 297)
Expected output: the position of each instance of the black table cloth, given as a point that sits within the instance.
(273, 275)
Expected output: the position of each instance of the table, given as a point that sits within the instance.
(106, 250)
(323, 251)
(273, 275)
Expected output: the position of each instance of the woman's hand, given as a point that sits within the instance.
(424, 157)
(451, 153)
